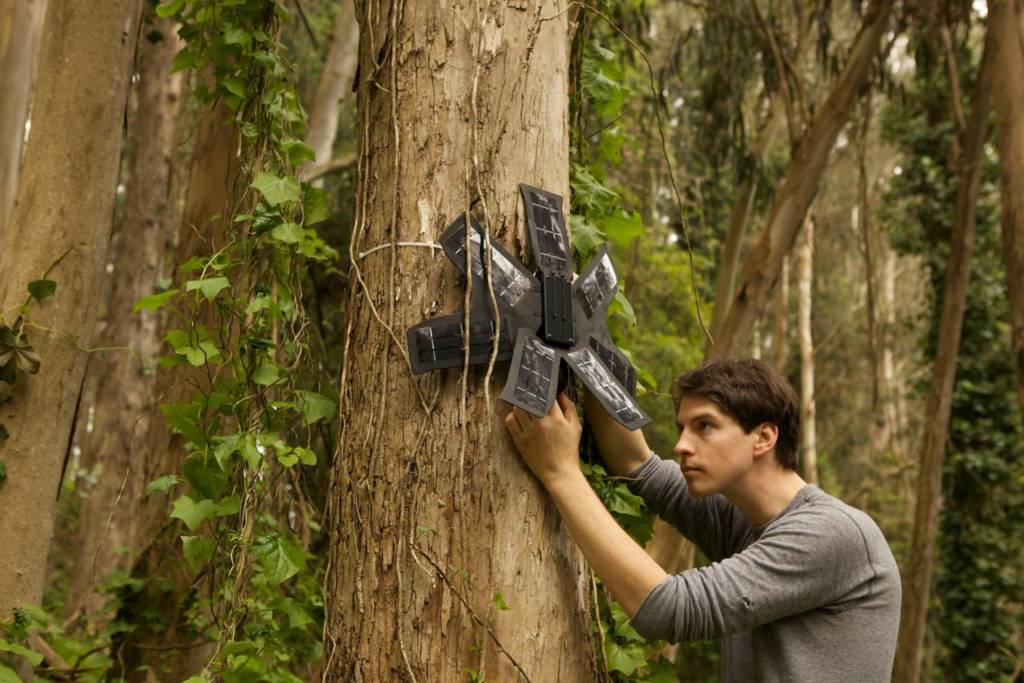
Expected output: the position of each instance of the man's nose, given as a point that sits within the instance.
(682, 448)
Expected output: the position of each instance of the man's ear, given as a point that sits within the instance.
(765, 436)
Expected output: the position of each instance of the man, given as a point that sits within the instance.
(802, 587)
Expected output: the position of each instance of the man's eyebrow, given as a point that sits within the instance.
(702, 415)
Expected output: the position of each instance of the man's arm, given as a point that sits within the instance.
(623, 450)
(550, 446)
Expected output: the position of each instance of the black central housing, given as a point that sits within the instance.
(557, 327)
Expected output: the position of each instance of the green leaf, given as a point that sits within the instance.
(198, 551)
(297, 616)
(235, 86)
(625, 659)
(209, 287)
(305, 456)
(286, 456)
(621, 308)
(202, 354)
(32, 656)
(153, 302)
(169, 8)
(251, 454)
(162, 484)
(193, 513)
(8, 675)
(184, 417)
(281, 560)
(266, 375)
(622, 228)
(298, 151)
(289, 233)
(316, 407)
(194, 263)
(314, 205)
(499, 602)
(42, 289)
(276, 190)
(205, 476)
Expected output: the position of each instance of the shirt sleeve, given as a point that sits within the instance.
(807, 560)
(712, 523)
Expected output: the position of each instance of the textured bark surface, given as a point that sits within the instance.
(805, 277)
(64, 206)
(424, 535)
(1007, 18)
(917, 575)
(120, 398)
(21, 23)
(335, 82)
(763, 261)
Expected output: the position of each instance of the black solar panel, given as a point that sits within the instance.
(617, 363)
(600, 381)
(546, 224)
(596, 287)
(533, 376)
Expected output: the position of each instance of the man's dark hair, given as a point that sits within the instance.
(752, 393)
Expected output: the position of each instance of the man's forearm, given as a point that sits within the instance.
(620, 448)
(624, 567)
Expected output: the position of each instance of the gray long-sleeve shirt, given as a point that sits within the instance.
(813, 595)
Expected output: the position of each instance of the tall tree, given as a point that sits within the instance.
(120, 391)
(1007, 20)
(335, 83)
(917, 577)
(60, 230)
(21, 23)
(763, 260)
(436, 524)
(808, 440)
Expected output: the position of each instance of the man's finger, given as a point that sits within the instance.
(568, 408)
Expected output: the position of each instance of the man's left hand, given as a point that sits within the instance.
(550, 444)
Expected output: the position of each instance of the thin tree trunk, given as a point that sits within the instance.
(335, 83)
(121, 388)
(780, 333)
(808, 439)
(21, 24)
(918, 574)
(1006, 18)
(433, 515)
(61, 226)
(763, 261)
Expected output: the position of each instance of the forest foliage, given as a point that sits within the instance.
(669, 104)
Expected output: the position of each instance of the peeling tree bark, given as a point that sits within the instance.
(918, 573)
(21, 23)
(763, 261)
(1007, 19)
(120, 392)
(424, 535)
(62, 215)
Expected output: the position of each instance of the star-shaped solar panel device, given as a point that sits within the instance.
(545, 318)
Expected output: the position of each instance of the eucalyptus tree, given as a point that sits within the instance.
(1008, 20)
(52, 259)
(446, 558)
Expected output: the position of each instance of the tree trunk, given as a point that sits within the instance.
(335, 83)
(169, 591)
(121, 388)
(808, 440)
(763, 261)
(780, 333)
(433, 513)
(61, 226)
(21, 24)
(918, 574)
(1006, 19)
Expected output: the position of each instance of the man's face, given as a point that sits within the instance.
(713, 450)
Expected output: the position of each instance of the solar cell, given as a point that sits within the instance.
(615, 399)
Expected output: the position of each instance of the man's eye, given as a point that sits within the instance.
(704, 426)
